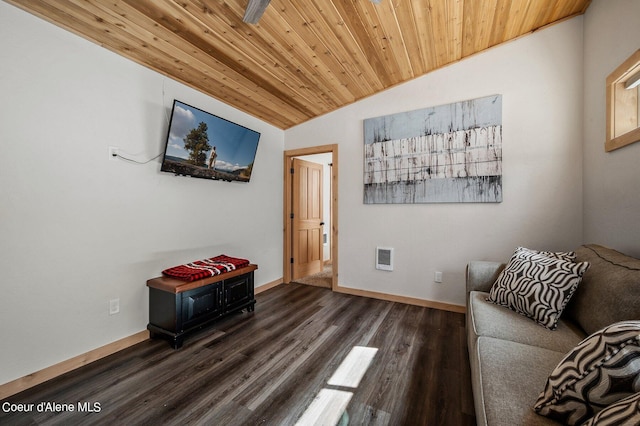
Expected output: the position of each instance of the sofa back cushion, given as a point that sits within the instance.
(609, 291)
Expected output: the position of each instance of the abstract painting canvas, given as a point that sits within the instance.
(443, 154)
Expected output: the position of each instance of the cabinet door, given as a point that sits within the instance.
(201, 304)
(238, 291)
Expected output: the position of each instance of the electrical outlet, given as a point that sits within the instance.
(437, 277)
(113, 152)
(114, 306)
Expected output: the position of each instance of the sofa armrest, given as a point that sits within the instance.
(482, 274)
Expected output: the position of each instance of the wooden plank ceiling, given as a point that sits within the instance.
(305, 57)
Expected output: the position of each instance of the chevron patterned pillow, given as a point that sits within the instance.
(538, 284)
(603, 369)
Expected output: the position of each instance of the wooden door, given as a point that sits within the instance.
(307, 221)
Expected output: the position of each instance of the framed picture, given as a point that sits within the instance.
(444, 154)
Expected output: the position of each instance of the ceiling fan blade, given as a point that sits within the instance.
(255, 9)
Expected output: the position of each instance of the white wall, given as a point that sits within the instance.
(611, 180)
(78, 229)
(540, 78)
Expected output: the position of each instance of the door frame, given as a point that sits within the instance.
(288, 208)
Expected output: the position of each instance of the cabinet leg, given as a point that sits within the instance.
(177, 342)
(251, 307)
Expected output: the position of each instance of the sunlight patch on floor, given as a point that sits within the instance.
(329, 406)
(326, 409)
(352, 369)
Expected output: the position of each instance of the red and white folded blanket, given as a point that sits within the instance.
(206, 268)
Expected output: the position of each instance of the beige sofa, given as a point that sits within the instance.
(511, 356)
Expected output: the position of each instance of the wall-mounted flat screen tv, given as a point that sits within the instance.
(203, 145)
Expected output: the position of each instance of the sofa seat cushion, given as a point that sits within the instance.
(511, 376)
(491, 320)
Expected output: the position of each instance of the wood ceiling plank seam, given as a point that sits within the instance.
(564, 14)
(324, 68)
(156, 36)
(500, 19)
(160, 43)
(564, 10)
(516, 18)
(448, 17)
(354, 59)
(455, 13)
(369, 14)
(180, 26)
(425, 28)
(289, 27)
(378, 21)
(368, 70)
(332, 51)
(63, 19)
(279, 66)
(439, 23)
(318, 78)
(269, 81)
(395, 39)
(363, 65)
(220, 79)
(548, 14)
(119, 40)
(485, 20)
(468, 44)
(529, 18)
(365, 36)
(315, 22)
(328, 66)
(438, 20)
(443, 31)
(314, 73)
(554, 11)
(408, 27)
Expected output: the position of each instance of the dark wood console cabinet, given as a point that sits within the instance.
(178, 307)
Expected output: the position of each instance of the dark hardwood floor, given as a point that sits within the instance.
(266, 367)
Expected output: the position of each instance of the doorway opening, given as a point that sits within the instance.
(307, 229)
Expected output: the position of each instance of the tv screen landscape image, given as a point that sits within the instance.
(203, 145)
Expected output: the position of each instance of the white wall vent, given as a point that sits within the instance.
(384, 258)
